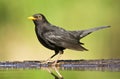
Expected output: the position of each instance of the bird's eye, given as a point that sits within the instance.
(39, 16)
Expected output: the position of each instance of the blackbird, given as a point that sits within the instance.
(58, 39)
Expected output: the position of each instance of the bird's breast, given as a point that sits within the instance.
(43, 41)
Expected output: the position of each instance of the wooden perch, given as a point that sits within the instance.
(101, 65)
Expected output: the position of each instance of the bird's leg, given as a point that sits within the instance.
(46, 61)
(59, 55)
(51, 57)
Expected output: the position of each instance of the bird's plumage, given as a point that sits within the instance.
(58, 39)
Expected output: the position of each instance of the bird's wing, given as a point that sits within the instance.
(63, 39)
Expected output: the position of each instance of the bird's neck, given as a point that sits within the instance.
(40, 23)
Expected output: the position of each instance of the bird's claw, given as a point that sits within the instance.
(49, 63)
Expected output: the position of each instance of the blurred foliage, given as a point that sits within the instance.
(18, 40)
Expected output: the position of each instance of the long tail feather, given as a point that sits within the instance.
(86, 32)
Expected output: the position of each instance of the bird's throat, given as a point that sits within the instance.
(40, 23)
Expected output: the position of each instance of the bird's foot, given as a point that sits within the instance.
(44, 62)
(48, 62)
(54, 63)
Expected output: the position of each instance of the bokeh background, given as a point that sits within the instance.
(18, 41)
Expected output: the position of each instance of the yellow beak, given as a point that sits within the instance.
(31, 18)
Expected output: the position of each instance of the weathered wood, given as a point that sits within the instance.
(99, 64)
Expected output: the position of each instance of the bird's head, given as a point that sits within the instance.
(38, 18)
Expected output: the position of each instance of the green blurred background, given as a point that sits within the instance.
(18, 40)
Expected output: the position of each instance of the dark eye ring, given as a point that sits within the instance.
(39, 16)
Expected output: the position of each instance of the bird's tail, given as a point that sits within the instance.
(88, 31)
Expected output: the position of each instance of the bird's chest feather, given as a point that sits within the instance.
(41, 38)
(39, 33)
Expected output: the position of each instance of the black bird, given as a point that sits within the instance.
(58, 39)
